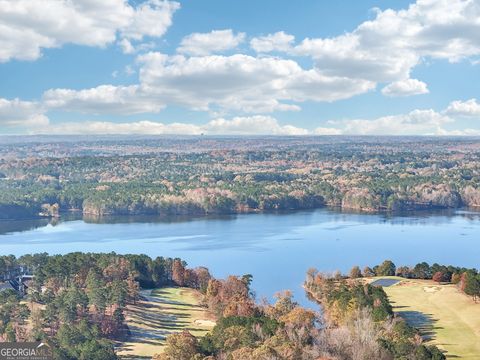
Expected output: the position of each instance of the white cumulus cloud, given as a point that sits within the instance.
(213, 42)
(104, 99)
(28, 26)
(406, 87)
(18, 113)
(279, 41)
(144, 127)
(416, 122)
(240, 82)
(388, 47)
(249, 125)
(327, 131)
(199, 76)
(469, 108)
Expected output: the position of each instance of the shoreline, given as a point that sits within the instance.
(78, 214)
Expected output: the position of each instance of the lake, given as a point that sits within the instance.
(277, 249)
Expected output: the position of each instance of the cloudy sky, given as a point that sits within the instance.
(240, 67)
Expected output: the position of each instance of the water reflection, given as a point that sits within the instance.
(277, 248)
(336, 215)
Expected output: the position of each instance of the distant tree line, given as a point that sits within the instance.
(362, 176)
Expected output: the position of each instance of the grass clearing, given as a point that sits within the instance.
(446, 317)
(160, 313)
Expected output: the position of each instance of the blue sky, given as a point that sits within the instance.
(240, 67)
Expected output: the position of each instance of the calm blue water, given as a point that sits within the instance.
(276, 248)
(384, 282)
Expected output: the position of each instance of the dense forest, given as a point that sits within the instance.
(202, 175)
(78, 301)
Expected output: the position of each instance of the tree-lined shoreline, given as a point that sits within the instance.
(258, 175)
(79, 302)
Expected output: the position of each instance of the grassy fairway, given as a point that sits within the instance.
(449, 318)
(163, 312)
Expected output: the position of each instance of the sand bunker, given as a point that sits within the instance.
(202, 322)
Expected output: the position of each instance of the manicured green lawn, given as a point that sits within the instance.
(449, 318)
(163, 312)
